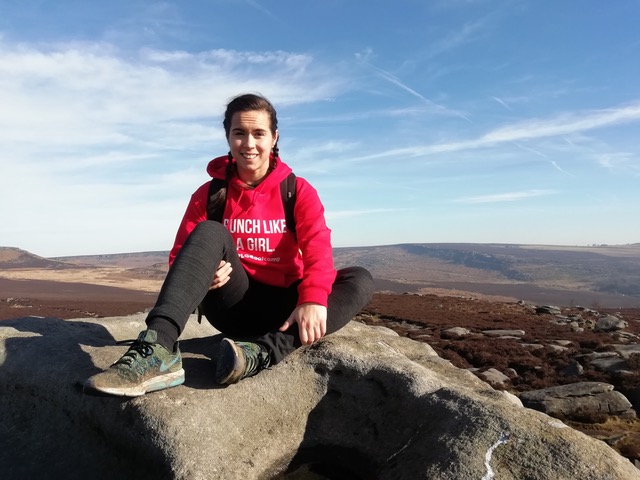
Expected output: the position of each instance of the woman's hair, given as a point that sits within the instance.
(247, 102)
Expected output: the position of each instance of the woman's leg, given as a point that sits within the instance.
(152, 361)
(264, 309)
(190, 277)
(352, 290)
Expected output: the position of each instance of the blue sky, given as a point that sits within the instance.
(508, 121)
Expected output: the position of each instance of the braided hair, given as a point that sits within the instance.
(247, 102)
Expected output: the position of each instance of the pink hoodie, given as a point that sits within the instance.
(269, 253)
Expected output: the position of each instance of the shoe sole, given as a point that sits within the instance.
(233, 355)
(154, 384)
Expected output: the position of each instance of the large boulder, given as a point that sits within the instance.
(362, 403)
(579, 400)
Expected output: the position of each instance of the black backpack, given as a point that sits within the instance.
(287, 191)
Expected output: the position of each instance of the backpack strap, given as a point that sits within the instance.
(288, 193)
(215, 210)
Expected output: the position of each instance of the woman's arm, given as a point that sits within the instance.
(195, 213)
(314, 241)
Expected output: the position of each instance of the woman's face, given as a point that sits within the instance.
(250, 141)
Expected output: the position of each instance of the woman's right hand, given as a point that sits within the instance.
(223, 273)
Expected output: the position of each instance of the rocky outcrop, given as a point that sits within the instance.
(610, 323)
(579, 400)
(364, 402)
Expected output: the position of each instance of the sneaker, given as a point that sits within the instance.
(237, 360)
(146, 367)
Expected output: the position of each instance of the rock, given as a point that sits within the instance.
(613, 362)
(504, 333)
(558, 348)
(511, 398)
(386, 331)
(548, 309)
(587, 310)
(455, 332)
(575, 327)
(362, 402)
(560, 320)
(511, 373)
(610, 323)
(621, 336)
(578, 400)
(574, 369)
(494, 377)
(626, 351)
(615, 365)
(596, 355)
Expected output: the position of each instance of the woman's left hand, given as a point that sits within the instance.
(312, 322)
(222, 275)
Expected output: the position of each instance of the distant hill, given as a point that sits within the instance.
(127, 260)
(590, 275)
(11, 258)
(584, 275)
(607, 269)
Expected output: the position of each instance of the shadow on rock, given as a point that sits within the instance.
(50, 429)
(198, 361)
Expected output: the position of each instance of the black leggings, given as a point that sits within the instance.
(243, 308)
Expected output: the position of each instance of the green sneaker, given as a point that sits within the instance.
(146, 367)
(237, 360)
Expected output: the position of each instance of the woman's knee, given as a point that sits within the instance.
(359, 278)
(209, 232)
(209, 227)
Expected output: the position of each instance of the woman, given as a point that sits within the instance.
(268, 289)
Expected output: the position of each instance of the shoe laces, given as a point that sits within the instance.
(256, 357)
(138, 347)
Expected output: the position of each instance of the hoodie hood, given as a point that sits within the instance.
(217, 168)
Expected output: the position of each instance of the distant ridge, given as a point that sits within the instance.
(11, 257)
(128, 260)
(545, 274)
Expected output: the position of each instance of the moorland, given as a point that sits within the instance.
(422, 291)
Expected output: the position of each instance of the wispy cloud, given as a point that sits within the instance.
(620, 161)
(264, 10)
(456, 38)
(85, 120)
(505, 197)
(435, 107)
(88, 94)
(565, 124)
(553, 163)
(502, 102)
(568, 123)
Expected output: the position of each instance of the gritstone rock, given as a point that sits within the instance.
(610, 323)
(368, 404)
(579, 399)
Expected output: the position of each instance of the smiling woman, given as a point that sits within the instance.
(269, 288)
(251, 140)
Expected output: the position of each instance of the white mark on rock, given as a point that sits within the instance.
(487, 456)
(405, 446)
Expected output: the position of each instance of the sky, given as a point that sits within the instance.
(474, 121)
